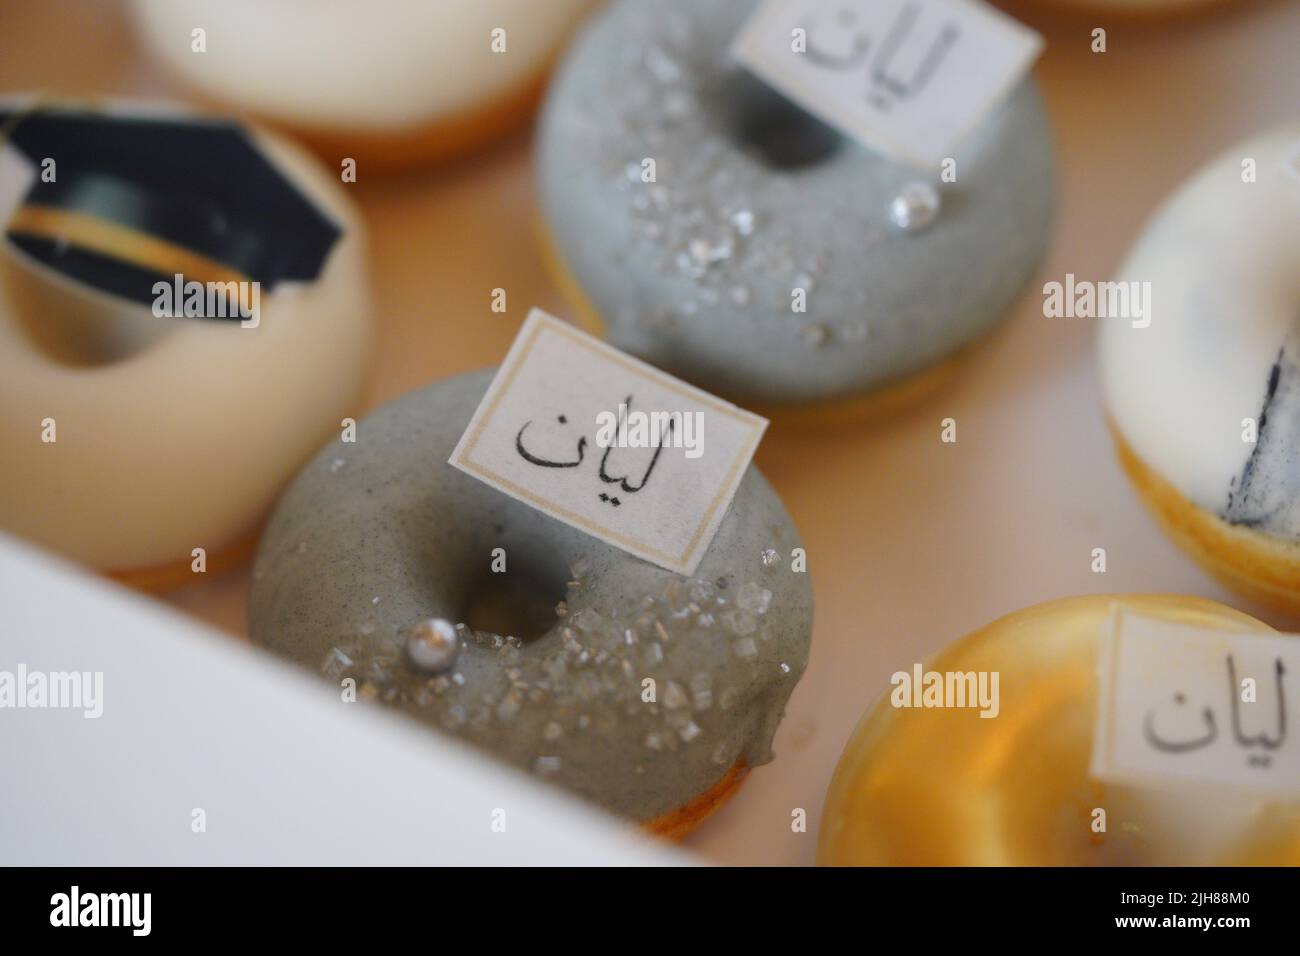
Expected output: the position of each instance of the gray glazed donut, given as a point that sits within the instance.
(376, 536)
(754, 198)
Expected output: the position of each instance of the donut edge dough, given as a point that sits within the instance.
(1137, 12)
(1254, 565)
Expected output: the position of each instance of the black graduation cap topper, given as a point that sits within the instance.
(139, 199)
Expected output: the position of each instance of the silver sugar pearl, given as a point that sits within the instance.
(915, 207)
(433, 645)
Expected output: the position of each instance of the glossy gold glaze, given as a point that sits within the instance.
(948, 788)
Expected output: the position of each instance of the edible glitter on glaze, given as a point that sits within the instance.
(732, 209)
(571, 691)
(592, 664)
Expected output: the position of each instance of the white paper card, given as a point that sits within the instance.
(608, 444)
(1181, 703)
(909, 78)
(17, 175)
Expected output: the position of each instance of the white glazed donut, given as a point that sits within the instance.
(1220, 359)
(344, 68)
(170, 433)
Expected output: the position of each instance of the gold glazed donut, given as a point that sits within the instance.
(134, 433)
(948, 788)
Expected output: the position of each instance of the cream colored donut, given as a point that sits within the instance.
(349, 68)
(1219, 361)
(170, 433)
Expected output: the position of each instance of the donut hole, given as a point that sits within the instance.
(514, 602)
(73, 326)
(768, 126)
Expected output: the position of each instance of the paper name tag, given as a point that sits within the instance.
(608, 444)
(16, 179)
(1181, 703)
(909, 78)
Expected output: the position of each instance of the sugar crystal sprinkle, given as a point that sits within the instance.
(584, 680)
(674, 698)
(336, 664)
(753, 598)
